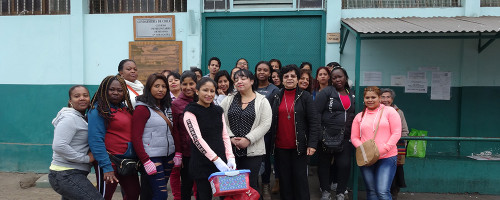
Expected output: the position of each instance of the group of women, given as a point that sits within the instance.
(183, 127)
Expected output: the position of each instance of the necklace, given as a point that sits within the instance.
(286, 106)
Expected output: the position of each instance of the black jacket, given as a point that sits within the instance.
(307, 125)
(332, 113)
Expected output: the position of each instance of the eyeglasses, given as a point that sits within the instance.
(293, 76)
(242, 63)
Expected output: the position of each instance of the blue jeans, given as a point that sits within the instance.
(159, 180)
(73, 184)
(378, 178)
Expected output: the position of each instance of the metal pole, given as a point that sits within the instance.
(358, 106)
(436, 138)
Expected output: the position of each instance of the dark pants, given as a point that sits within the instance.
(159, 180)
(130, 185)
(293, 174)
(146, 192)
(186, 181)
(253, 164)
(204, 190)
(266, 176)
(399, 181)
(73, 184)
(341, 169)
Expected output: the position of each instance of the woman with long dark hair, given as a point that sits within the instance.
(385, 122)
(110, 132)
(224, 86)
(152, 134)
(335, 104)
(71, 158)
(322, 80)
(275, 77)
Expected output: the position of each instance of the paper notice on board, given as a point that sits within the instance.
(441, 86)
(430, 69)
(372, 78)
(416, 82)
(398, 80)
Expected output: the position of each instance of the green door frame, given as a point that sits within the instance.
(260, 14)
(344, 34)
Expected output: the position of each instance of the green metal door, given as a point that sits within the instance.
(291, 39)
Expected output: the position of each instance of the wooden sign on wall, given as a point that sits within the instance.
(156, 56)
(154, 27)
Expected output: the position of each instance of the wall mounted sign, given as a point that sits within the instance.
(332, 38)
(156, 56)
(154, 27)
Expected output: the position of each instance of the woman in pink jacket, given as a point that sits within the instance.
(378, 177)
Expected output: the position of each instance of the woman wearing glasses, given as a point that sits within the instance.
(295, 134)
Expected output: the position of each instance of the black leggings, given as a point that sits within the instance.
(253, 164)
(342, 168)
(186, 181)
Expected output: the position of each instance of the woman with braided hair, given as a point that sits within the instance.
(110, 131)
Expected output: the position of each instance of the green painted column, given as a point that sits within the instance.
(359, 101)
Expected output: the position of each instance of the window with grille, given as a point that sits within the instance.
(137, 6)
(490, 3)
(354, 4)
(224, 5)
(34, 7)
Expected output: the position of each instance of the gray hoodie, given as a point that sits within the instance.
(70, 145)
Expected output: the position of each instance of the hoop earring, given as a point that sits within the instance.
(71, 105)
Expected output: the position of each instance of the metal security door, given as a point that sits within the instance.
(291, 39)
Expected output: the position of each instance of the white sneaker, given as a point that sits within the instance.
(325, 195)
(333, 187)
(339, 197)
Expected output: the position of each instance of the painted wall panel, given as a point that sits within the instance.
(35, 47)
(451, 175)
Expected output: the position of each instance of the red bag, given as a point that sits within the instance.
(251, 194)
(230, 183)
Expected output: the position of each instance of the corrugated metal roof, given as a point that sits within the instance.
(425, 25)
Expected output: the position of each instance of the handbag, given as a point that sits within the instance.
(125, 166)
(417, 148)
(333, 140)
(367, 153)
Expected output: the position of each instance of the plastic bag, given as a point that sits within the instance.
(417, 148)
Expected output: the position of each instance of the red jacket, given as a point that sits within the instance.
(180, 134)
